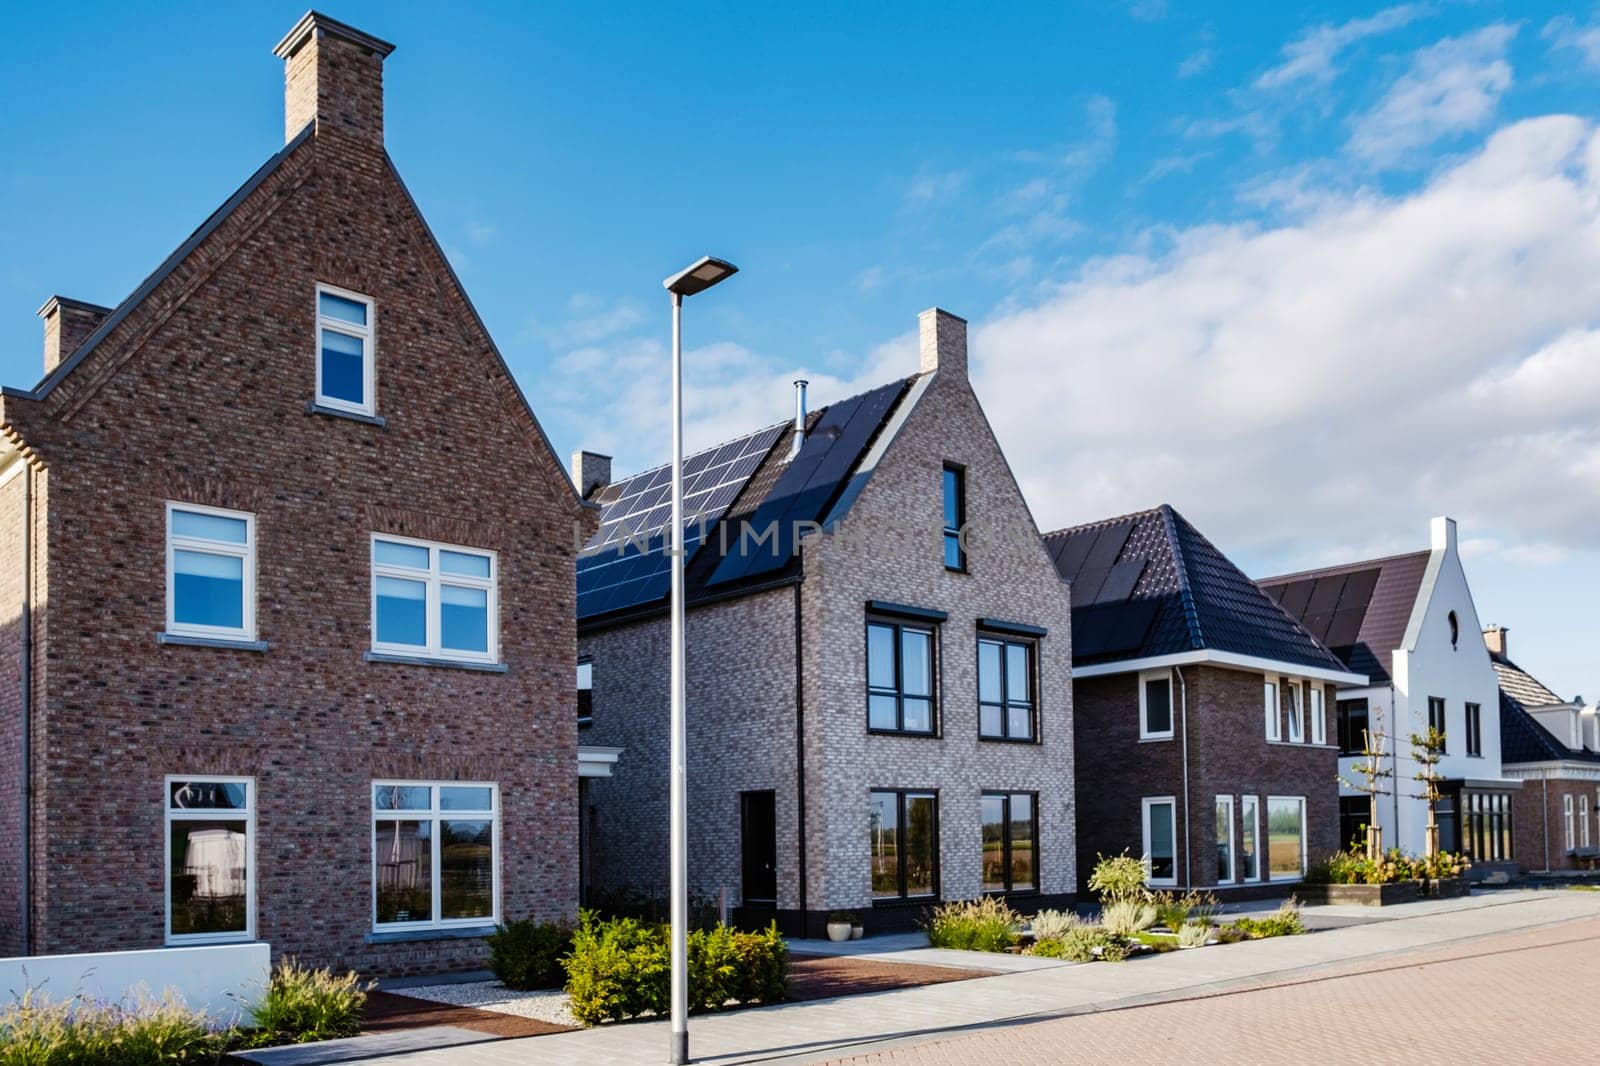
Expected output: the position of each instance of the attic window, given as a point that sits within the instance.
(345, 328)
(1455, 630)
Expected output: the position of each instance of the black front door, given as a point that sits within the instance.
(758, 831)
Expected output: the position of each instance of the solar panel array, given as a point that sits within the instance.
(808, 484)
(626, 563)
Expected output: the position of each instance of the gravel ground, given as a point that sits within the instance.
(549, 1005)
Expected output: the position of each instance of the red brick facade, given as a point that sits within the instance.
(1229, 755)
(1539, 821)
(200, 395)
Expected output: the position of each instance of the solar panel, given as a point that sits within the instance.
(813, 478)
(1295, 596)
(1345, 627)
(626, 562)
(1108, 545)
(1121, 580)
(1072, 554)
(1325, 595)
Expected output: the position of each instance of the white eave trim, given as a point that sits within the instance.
(1223, 658)
(596, 761)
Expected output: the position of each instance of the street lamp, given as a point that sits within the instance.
(697, 277)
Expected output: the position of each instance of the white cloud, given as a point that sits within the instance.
(1565, 34)
(1311, 56)
(1371, 363)
(933, 186)
(1197, 62)
(1451, 87)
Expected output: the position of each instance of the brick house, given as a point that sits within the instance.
(295, 569)
(1407, 622)
(1552, 746)
(878, 660)
(1202, 711)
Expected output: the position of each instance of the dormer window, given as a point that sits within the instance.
(345, 324)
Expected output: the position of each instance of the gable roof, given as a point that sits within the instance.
(749, 483)
(1523, 738)
(1359, 610)
(1150, 584)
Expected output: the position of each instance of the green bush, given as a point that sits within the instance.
(1125, 917)
(1194, 934)
(302, 1005)
(527, 954)
(984, 924)
(1173, 910)
(1285, 921)
(619, 968)
(1082, 943)
(143, 1032)
(1118, 878)
(1050, 924)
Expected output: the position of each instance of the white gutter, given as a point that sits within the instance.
(1226, 659)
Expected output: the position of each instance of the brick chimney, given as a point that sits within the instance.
(590, 471)
(1495, 638)
(67, 324)
(333, 75)
(943, 339)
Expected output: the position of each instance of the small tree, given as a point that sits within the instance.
(1427, 749)
(1373, 773)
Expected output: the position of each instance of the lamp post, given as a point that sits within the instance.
(697, 277)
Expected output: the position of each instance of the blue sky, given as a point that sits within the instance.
(1311, 273)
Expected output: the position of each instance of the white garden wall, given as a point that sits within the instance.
(219, 978)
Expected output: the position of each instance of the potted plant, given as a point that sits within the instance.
(839, 925)
(857, 930)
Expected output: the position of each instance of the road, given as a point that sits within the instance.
(1510, 997)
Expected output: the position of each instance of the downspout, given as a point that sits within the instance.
(25, 691)
(800, 758)
(1394, 763)
(1183, 712)
(1544, 782)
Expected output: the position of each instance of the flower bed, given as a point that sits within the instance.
(1351, 877)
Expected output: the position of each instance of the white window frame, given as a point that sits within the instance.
(1250, 815)
(1233, 852)
(1144, 818)
(1319, 713)
(1172, 714)
(1305, 837)
(1294, 690)
(435, 815)
(368, 339)
(435, 579)
(208, 814)
(1566, 815)
(204, 545)
(1583, 820)
(1274, 712)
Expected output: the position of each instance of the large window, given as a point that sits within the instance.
(1352, 726)
(1224, 840)
(211, 572)
(1486, 826)
(1273, 711)
(1583, 820)
(1010, 842)
(900, 672)
(210, 884)
(1355, 814)
(1436, 719)
(1571, 835)
(1319, 713)
(1291, 693)
(905, 844)
(1474, 729)
(1249, 853)
(435, 855)
(1005, 688)
(1155, 705)
(344, 350)
(1286, 837)
(434, 600)
(1160, 840)
(955, 517)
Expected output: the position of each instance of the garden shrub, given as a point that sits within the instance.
(144, 1031)
(1173, 910)
(1051, 924)
(985, 924)
(303, 1005)
(1285, 921)
(1126, 917)
(619, 968)
(1118, 878)
(527, 954)
(1081, 943)
(1194, 934)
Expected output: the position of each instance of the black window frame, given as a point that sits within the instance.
(953, 533)
(1030, 646)
(1352, 741)
(1437, 703)
(1006, 796)
(1475, 730)
(1351, 824)
(901, 829)
(899, 625)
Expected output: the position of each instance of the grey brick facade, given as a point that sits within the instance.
(747, 732)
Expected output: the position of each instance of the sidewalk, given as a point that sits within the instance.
(810, 1032)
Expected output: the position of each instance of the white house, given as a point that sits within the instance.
(1408, 623)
